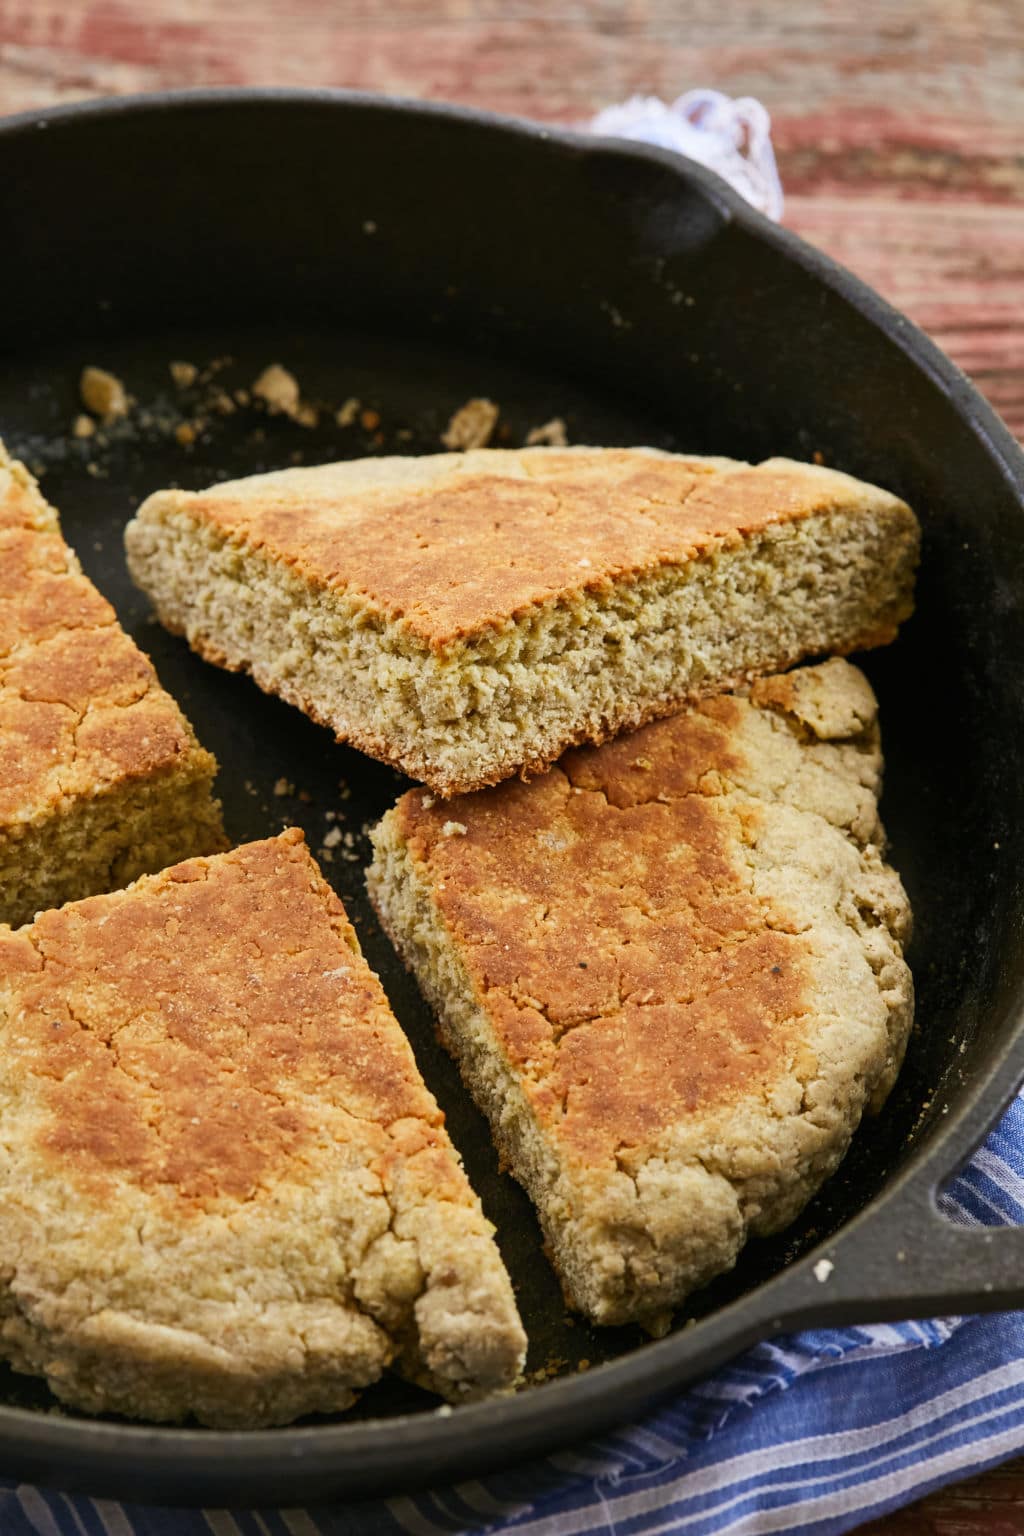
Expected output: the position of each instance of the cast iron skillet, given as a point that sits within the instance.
(414, 256)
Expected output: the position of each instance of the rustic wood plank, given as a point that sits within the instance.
(991, 1505)
(504, 53)
(956, 268)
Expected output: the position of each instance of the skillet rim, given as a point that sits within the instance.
(557, 1412)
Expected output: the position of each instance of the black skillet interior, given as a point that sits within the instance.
(413, 259)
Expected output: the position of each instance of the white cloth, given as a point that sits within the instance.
(731, 136)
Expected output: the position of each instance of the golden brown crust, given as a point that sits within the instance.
(43, 593)
(127, 1040)
(478, 538)
(82, 718)
(631, 975)
(226, 1188)
(80, 705)
(467, 617)
(671, 970)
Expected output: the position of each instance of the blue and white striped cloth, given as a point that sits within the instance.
(814, 1433)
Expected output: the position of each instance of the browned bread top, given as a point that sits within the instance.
(226, 1189)
(453, 544)
(671, 969)
(610, 915)
(80, 705)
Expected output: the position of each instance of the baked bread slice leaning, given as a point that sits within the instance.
(468, 616)
(101, 776)
(671, 970)
(225, 1190)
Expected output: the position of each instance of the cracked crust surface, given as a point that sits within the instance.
(225, 1188)
(101, 776)
(672, 972)
(464, 615)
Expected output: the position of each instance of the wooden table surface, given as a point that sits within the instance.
(899, 128)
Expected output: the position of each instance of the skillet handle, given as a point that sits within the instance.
(906, 1260)
(919, 1269)
(903, 1258)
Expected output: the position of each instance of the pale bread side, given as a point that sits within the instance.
(469, 616)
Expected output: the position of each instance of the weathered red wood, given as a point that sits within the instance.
(899, 126)
(957, 268)
(990, 1505)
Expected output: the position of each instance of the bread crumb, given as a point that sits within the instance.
(214, 367)
(185, 434)
(83, 426)
(454, 829)
(279, 390)
(551, 435)
(183, 374)
(280, 393)
(222, 403)
(369, 420)
(822, 1270)
(348, 412)
(103, 394)
(472, 425)
(331, 838)
(242, 397)
(284, 787)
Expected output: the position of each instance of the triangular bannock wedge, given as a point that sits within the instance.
(465, 616)
(225, 1190)
(671, 970)
(101, 777)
